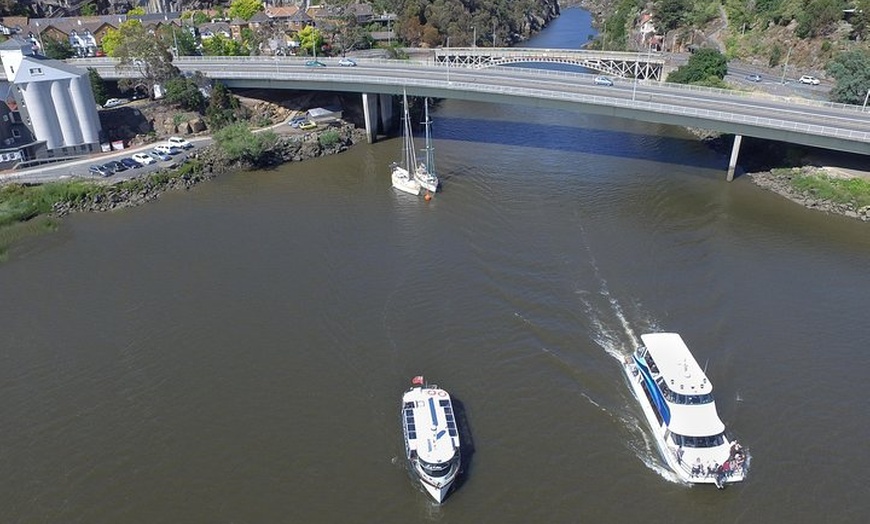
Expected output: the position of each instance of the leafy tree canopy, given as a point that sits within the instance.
(704, 67)
(309, 39)
(244, 9)
(852, 73)
(219, 45)
(238, 143)
(58, 49)
(184, 92)
(98, 86)
(145, 51)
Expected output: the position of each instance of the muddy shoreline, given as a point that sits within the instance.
(209, 163)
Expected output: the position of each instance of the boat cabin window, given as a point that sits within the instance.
(698, 442)
(680, 398)
(436, 470)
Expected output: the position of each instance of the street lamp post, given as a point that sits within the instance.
(865, 101)
(784, 67)
(448, 60)
(493, 33)
(474, 38)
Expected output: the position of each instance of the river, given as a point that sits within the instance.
(237, 353)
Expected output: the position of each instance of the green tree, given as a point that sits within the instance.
(706, 66)
(89, 9)
(244, 9)
(58, 49)
(98, 86)
(222, 107)
(219, 45)
(669, 14)
(182, 38)
(238, 143)
(136, 11)
(851, 70)
(146, 52)
(818, 16)
(309, 39)
(185, 93)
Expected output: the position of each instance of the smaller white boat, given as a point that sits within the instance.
(431, 437)
(403, 173)
(677, 400)
(425, 173)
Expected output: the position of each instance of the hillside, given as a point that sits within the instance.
(765, 33)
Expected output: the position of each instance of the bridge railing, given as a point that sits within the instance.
(347, 76)
(278, 61)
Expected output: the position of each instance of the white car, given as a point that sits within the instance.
(143, 158)
(809, 79)
(112, 102)
(167, 149)
(603, 81)
(346, 62)
(179, 142)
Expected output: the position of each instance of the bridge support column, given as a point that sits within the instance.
(732, 164)
(378, 114)
(371, 116)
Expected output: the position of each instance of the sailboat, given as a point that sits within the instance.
(403, 173)
(426, 173)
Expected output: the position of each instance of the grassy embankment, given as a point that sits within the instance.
(850, 191)
(25, 210)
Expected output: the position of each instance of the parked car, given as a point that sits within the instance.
(347, 62)
(167, 149)
(809, 79)
(99, 170)
(113, 102)
(159, 155)
(754, 77)
(108, 168)
(314, 63)
(116, 166)
(603, 81)
(296, 120)
(308, 124)
(179, 142)
(143, 158)
(130, 163)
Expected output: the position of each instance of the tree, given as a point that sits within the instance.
(670, 13)
(309, 39)
(219, 45)
(706, 66)
(184, 92)
(58, 49)
(222, 107)
(852, 73)
(89, 9)
(98, 86)
(244, 9)
(145, 51)
(238, 143)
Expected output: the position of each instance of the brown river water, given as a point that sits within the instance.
(237, 353)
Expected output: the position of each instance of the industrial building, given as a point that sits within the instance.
(49, 114)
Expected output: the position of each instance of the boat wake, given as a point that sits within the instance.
(613, 332)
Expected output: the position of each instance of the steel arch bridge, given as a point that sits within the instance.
(644, 66)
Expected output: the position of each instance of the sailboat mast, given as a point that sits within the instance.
(429, 149)
(410, 155)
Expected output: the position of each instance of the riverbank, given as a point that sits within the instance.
(21, 204)
(819, 188)
(210, 162)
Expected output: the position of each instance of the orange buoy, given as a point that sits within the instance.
(428, 196)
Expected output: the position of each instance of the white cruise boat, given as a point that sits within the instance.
(677, 400)
(431, 437)
(403, 173)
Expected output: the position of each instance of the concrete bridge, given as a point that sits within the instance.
(800, 121)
